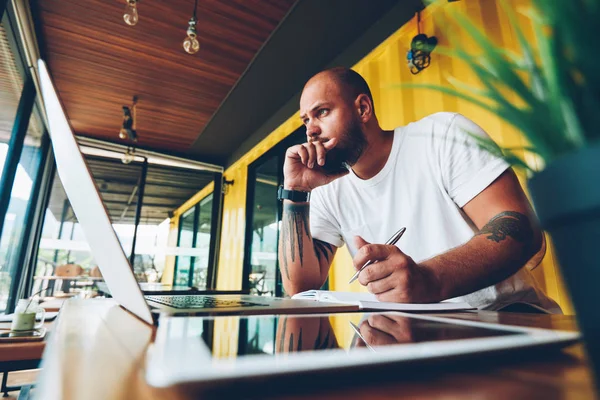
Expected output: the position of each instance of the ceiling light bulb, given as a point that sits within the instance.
(131, 14)
(191, 44)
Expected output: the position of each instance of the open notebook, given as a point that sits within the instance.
(368, 301)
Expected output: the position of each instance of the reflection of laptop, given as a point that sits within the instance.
(107, 251)
(293, 349)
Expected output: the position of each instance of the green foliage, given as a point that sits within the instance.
(556, 78)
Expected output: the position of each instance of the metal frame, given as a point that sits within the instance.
(215, 232)
(138, 210)
(179, 227)
(194, 240)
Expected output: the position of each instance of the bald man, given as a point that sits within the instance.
(470, 229)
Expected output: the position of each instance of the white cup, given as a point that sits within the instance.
(25, 316)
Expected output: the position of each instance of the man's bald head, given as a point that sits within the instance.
(350, 83)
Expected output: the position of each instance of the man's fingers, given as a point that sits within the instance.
(375, 272)
(312, 154)
(330, 144)
(303, 153)
(371, 252)
(380, 285)
(320, 152)
(399, 328)
(374, 336)
(359, 242)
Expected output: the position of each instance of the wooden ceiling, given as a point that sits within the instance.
(213, 106)
(99, 63)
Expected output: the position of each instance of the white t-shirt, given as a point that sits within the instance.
(435, 167)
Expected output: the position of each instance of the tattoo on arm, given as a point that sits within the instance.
(509, 223)
(294, 225)
(322, 249)
(281, 342)
(323, 344)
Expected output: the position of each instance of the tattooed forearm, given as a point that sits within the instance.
(319, 345)
(322, 249)
(282, 340)
(509, 223)
(294, 225)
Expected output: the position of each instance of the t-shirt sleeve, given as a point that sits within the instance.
(467, 168)
(323, 225)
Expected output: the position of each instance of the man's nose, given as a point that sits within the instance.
(312, 130)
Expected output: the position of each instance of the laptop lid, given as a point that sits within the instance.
(88, 206)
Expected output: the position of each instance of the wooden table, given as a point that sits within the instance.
(97, 352)
(19, 356)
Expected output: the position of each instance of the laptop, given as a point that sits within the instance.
(280, 353)
(108, 253)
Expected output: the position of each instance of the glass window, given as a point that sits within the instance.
(202, 244)
(257, 336)
(263, 249)
(183, 263)
(191, 267)
(12, 240)
(62, 242)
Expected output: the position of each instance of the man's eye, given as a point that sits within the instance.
(323, 112)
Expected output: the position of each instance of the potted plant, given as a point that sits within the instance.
(550, 92)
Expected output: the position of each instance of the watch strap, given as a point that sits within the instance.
(296, 196)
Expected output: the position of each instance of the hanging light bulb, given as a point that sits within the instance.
(191, 44)
(128, 156)
(131, 14)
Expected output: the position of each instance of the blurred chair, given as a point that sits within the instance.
(65, 272)
(95, 272)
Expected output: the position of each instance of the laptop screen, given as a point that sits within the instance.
(279, 335)
(216, 351)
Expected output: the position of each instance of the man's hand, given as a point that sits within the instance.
(394, 276)
(302, 168)
(381, 330)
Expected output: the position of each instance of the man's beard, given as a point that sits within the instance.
(350, 147)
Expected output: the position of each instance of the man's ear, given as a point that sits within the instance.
(364, 107)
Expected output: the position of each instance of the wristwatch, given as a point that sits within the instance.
(294, 195)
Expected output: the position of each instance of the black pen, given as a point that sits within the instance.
(391, 241)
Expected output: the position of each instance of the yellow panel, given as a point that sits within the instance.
(208, 189)
(384, 69)
(226, 337)
(169, 270)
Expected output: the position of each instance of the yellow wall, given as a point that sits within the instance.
(384, 68)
